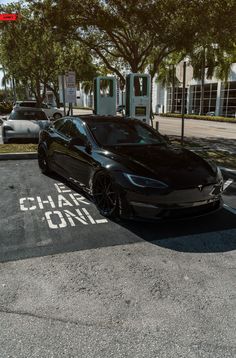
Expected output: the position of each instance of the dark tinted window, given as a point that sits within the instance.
(78, 130)
(59, 123)
(124, 133)
(28, 115)
(27, 104)
(66, 128)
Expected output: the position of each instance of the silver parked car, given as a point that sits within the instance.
(24, 123)
(52, 112)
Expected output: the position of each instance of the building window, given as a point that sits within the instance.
(228, 100)
(177, 99)
(209, 101)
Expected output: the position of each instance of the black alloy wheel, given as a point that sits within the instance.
(105, 195)
(43, 161)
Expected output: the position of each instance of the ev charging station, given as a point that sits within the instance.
(138, 96)
(105, 96)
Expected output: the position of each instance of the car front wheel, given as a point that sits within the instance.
(106, 196)
(43, 161)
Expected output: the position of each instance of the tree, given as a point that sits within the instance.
(135, 34)
(33, 55)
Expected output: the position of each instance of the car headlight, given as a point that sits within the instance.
(144, 182)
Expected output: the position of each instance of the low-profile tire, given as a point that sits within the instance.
(43, 161)
(57, 116)
(106, 195)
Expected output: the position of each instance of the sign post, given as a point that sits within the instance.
(70, 79)
(61, 80)
(183, 103)
(184, 73)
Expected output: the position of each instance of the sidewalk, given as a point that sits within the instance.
(222, 152)
(217, 144)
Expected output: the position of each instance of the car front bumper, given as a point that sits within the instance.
(12, 135)
(175, 204)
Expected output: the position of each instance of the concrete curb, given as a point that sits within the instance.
(17, 156)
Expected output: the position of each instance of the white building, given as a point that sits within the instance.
(219, 97)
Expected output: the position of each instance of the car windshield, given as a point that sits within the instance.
(28, 115)
(124, 133)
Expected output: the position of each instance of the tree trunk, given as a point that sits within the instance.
(56, 95)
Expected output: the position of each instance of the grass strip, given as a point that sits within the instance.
(18, 148)
(203, 118)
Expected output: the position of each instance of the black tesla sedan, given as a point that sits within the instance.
(129, 169)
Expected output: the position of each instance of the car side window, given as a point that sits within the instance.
(58, 124)
(65, 129)
(78, 130)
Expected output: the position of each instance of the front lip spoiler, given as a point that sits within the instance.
(161, 219)
(180, 205)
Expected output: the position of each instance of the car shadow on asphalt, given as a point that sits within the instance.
(207, 234)
(214, 233)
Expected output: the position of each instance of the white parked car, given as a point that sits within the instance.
(24, 123)
(51, 112)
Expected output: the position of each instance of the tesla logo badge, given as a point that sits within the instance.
(200, 187)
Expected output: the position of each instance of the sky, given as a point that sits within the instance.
(6, 1)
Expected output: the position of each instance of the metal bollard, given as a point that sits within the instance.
(157, 126)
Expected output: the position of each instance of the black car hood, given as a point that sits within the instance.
(175, 166)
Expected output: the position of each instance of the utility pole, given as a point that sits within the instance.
(183, 102)
(202, 82)
(173, 90)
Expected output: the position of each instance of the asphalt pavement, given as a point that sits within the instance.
(74, 284)
(193, 128)
(197, 128)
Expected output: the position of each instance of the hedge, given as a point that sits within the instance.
(5, 108)
(204, 118)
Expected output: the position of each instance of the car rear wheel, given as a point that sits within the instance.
(43, 161)
(106, 196)
(57, 116)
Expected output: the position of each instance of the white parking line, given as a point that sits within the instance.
(232, 210)
(228, 183)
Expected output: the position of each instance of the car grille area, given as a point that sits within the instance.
(175, 213)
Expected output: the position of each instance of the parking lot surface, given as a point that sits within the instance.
(74, 284)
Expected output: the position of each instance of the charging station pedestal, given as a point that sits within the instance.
(105, 96)
(138, 96)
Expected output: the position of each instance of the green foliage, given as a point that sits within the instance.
(34, 55)
(5, 107)
(18, 148)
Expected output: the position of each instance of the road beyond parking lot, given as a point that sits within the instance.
(74, 284)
